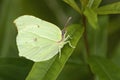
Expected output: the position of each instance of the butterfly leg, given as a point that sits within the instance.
(68, 36)
(69, 44)
(59, 52)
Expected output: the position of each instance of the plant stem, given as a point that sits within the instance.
(85, 35)
(86, 43)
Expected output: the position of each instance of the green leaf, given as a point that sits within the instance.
(51, 69)
(113, 8)
(9, 11)
(73, 4)
(75, 71)
(6, 31)
(94, 3)
(113, 24)
(104, 68)
(14, 68)
(90, 3)
(98, 42)
(84, 3)
(91, 17)
(115, 56)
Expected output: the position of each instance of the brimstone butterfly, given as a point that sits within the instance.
(38, 40)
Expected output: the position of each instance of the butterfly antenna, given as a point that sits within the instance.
(65, 26)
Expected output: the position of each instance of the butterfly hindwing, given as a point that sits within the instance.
(36, 48)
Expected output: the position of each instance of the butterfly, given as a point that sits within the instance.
(39, 40)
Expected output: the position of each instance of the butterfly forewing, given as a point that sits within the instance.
(36, 48)
(39, 27)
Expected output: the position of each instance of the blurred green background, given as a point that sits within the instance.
(104, 42)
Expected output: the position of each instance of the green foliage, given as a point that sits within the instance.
(91, 17)
(83, 3)
(14, 68)
(73, 4)
(104, 68)
(94, 3)
(99, 34)
(113, 8)
(99, 38)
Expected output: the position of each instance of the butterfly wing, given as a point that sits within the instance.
(34, 47)
(37, 39)
(38, 27)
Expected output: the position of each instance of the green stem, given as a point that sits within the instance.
(85, 35)
(86, 44)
